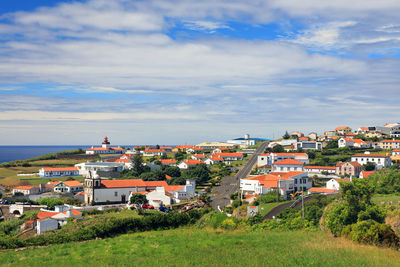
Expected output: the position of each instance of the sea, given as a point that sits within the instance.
(10, 153)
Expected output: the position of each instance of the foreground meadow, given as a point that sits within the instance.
(200, 247)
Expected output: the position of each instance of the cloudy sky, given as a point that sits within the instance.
(182, 71)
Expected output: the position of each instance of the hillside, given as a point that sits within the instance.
(194, 247)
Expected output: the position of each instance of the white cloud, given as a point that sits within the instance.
(207, 26)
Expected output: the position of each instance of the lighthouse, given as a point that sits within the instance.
(106, 143)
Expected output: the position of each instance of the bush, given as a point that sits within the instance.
(50, 202)
(228, 224)
(372, 233)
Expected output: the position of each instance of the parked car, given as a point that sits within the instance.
(148, 207)
(164, 209)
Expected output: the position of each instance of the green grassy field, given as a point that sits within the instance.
(194, 247)
(267, 207)
(377, 199)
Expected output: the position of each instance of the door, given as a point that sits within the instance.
(123, 198)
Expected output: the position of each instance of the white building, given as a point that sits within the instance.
(26, 190)
(153, 152)
(59, 172)
(269, 158)
(105, 149)
(85, 167)
(381, 161)
(68, 187)
(159, 197)
(320, 169)
(350, 142)
(246, 141)
(334, 183)
(46, 224)
(287, 165)
(186, 163)
(301, 180)
(308, 145)
(262, 184)
(229, 158)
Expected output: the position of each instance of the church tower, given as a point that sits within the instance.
(92, 182)
(106, 143)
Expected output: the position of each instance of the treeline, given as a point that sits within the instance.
(113, 227)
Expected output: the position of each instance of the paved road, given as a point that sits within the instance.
(229, 185)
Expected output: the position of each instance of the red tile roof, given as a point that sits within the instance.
(341, 128)
(390, 141)
(321, 190)
(44, 214)
(199, 155)
(154, 150)
(173, 187)
(24, 187)
(123, 160)
(123, 183)
(364, 128)
(155, 183)
(225, 155)
(184, 146)
(74, 212)
(168, 161)
(168, 177)
(286, 174)
(343, 180)
(80, 193)
(288, 162)
(366, 174)
(60, 169)
(192, 161)
(290, 154)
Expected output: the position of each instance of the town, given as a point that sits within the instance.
(185, 177)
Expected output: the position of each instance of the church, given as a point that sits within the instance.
(101, 191)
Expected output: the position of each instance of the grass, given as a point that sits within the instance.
(195, 247)
(377, 199)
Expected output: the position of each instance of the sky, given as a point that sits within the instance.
(187, 71)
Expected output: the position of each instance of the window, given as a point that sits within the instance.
(115, 194)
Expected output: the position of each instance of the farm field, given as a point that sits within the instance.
(201, 247)
(378, 199)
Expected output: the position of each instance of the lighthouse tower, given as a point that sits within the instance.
(106, 143)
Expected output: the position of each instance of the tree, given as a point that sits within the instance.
(179, 156)
(311, 154)
(156, 175)
(200, 173)
(138, 199)
(369, 166)
(278, 149)
(332, 144)
(164, 156)
(286, 135)
(50, 202)
(172, 171)
(157, 146)
(138, 164)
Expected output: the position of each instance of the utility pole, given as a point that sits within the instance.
(302, 204)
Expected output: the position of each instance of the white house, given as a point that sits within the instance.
(262, 184)
(59, 172)
(381, 161)
(229, 158)
(26, 190)
(46, 224)
(269, 158)
(334, 183)
(301, 180)
(320, 169)
(154, 152)
(186, 163)
(198, 156)
(308, 145)
(287, 165)
(105, 149)
(68, 186)
(350, 142)
(213, 159)
(159, 197)
(85, 167)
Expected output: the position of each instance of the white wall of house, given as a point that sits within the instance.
(287, 168)
(381, 162)
(114, 194)
(333, 184)
(158, 197)
(46, 225)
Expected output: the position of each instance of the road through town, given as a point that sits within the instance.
(229, 185)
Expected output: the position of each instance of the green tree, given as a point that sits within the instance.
(156, 175)
(157, 146)
(286, 135)
(200, 173)
(278, 149)
(332, 144)
(138, 199)
(369, 166)
(138, 164)
(179, 156)
(50, 202)
(172, 171)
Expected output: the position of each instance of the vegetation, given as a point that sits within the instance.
(50, 202)
(138, 199)
(386, 181)
(207, 247)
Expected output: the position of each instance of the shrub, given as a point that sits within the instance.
(228, 224)
(372, 233)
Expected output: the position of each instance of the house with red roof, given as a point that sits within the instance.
(59, 172)
(198, 156)
(335, 183)
(380, 160)
(363, 130)
(300, 178)
(320, 169)
(269, 158)
(389, 144)
(52, 220)
(262, 184)
(350, 169)
(213, 159)
(320, 190)
(350, 142)
(68, 187)
(186, 163)
(105, 149)
(169, 162)
(26, 190)
(287, 165)
(366, 174)
(153, 152)
(342, 130)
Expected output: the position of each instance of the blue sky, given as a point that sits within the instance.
(180, 71)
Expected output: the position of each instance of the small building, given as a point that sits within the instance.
(366, 174)
(153, 152)
(46, 224)
(68, 187)
(350, 142)
(313, 136)
(342, 130)
(335, 183)
(389, 144)
(296, 134)
(262, 184)
(59, 172)
(308, 145)
(380, 160)
(169, 162)
(301, 180)
(229, 158)
(269, 158)
(287, 165)
(320, 169)
(26, 190)
(85, 167)
(213, 159)
(246, 141)
(351, 169)
(198, 156)
(186, 163)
